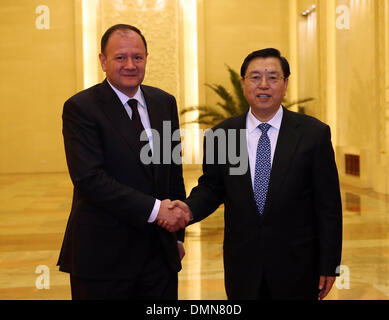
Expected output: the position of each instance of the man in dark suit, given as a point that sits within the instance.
(283, 216)
(112, 248)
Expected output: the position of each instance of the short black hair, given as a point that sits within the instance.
(107, 34)
(266, 53)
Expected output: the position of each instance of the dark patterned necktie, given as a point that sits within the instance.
(133, 103)
(262, 168)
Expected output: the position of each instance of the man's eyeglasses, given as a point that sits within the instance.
(271, 78)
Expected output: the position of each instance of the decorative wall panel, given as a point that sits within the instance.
(158, 21)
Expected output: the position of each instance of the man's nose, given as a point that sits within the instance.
(263, 83)
(129, 64)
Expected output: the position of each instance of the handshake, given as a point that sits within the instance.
(173, 215)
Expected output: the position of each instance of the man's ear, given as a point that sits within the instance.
(286, 83)
(103, 61)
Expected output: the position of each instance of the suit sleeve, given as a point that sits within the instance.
(328, 206)
(85, 159)
(208, 195)
(177, 186)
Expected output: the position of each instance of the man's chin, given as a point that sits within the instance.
(265, 107)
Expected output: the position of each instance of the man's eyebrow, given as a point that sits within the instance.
(259, 72)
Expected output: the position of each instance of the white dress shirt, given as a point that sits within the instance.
(144, 117)
(253, 133)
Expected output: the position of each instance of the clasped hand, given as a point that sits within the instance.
(173, 215)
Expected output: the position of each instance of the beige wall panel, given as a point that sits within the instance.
(381, 173)
(38, 75)
(308, 55)
(233, 29)
(356, 72)
(357, 88)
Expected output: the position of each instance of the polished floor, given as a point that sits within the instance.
(33, 215)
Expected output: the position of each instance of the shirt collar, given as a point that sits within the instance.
(253, 122)
(124, 98)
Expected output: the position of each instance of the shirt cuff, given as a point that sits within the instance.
(154, 212)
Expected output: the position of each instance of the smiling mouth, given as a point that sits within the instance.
(263, 96)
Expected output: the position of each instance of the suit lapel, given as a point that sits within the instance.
(154, 110)
(114, 110)
(287, 141)
(244, 180)
(156, 116)
(288, 138)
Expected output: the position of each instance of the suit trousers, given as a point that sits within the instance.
(264, 291)
(157, 281)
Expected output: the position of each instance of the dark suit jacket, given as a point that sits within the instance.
(299, 235)
(107, 234)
